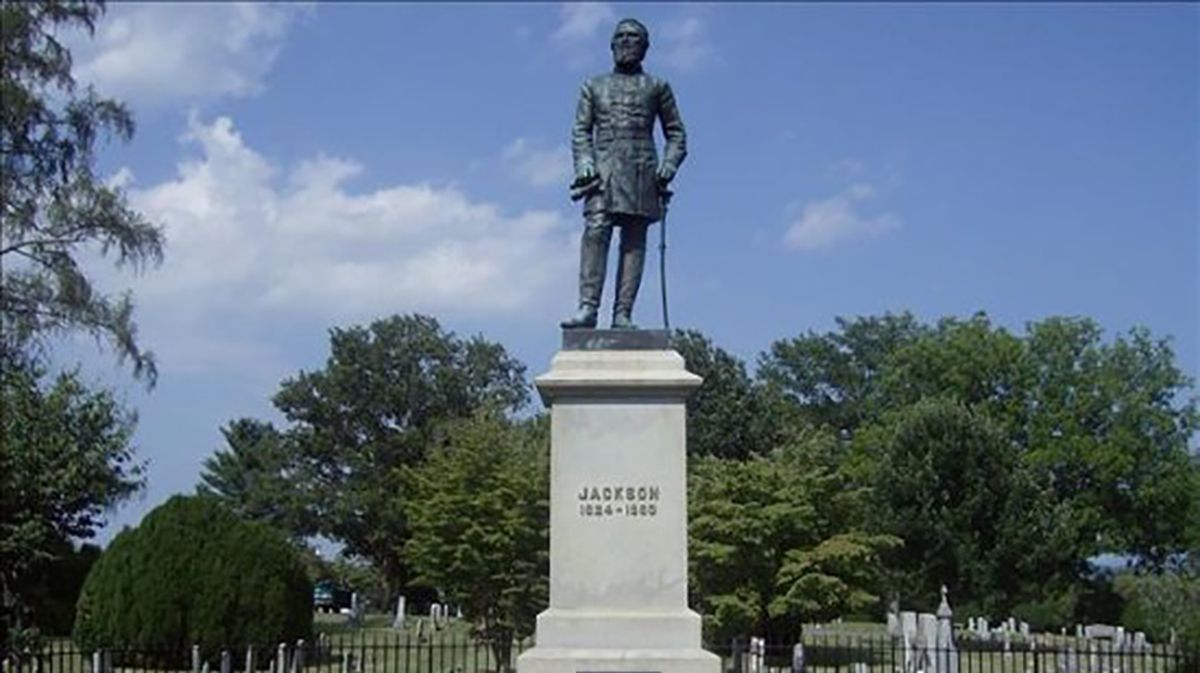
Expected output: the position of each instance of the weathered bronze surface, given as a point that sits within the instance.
(582, 339)
(617, 171)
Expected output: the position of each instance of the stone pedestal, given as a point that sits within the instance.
(618, 517)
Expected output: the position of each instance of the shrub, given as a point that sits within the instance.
(194, 573)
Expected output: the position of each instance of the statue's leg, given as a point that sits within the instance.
(629, 271)
(593, 258)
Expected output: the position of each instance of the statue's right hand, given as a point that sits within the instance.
(585, 174)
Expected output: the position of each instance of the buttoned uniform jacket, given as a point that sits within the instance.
(614, 135)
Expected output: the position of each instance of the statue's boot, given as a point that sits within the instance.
(584, 318)
(593, 258)
(629, 279)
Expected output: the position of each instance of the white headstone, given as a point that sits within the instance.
(927, 626)
(398, 620)
(1024, 628)
(946, 657)
(1139, 641)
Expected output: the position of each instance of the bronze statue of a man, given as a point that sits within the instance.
(617, 172)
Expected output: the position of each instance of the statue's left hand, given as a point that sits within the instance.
(665, 175)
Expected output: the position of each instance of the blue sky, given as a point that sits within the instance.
(320, 166)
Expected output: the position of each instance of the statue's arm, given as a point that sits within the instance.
(675, 148)
(581, 135)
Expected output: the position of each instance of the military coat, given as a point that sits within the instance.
(614, 135)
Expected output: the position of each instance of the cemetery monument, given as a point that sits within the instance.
(618, 496)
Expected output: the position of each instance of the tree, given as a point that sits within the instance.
(371, 411)
(1159, 603)
(834, 378)
(52, 205)
(194, 573)
(479, 512)
(777, 539)
(258, 478)
(65, 458)
(945, 481)
(729, 416)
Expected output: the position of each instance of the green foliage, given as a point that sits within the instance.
(1006, 461)
(1158, 603)
(371, 411)
(52, 205)
(259, 478)
(194, 573)
(775, 540)
(53, 588)
(833, 379)
(65, 459)
(479, 512)
(943, 482)
(729, 416)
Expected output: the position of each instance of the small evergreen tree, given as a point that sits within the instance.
(194, 573)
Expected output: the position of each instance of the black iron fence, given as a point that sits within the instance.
(459, 653)
(823, 653)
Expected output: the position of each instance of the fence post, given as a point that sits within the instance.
(735, 655)
(249, 659)
(96, 661)
(226, 662)
(798, 658)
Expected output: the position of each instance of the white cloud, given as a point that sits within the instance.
(153, 54)
(243, 235)
(685, 44)
(538, 167)
(579, 21)
(836, 219)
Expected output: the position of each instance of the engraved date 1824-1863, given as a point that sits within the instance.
(628, 500)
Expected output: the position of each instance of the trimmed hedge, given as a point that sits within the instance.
(194, 573)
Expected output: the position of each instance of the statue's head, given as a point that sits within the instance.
(630, 41)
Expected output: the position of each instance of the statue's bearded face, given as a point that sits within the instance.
(629, 45)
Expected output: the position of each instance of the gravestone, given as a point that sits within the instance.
(908, 630)
(758, 654)
(1024, 628)
(1139, 642)
(946, 656)
(618, 512)
(798, 658)
(927, 631)
(398, 620)
(435, 615)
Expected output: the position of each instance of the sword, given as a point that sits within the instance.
(665, 198)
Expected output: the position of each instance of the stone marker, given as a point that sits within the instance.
(798, 658)
(927, 629)
(398, 620)
(946, 656)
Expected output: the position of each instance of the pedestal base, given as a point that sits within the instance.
(556, 660)
(618, 513)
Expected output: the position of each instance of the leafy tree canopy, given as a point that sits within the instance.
(65, 459)
(730, 415)
(371, 411)
(52, 204)
(777, 539)
(194, 573)
(479, 512)
(259, 478)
